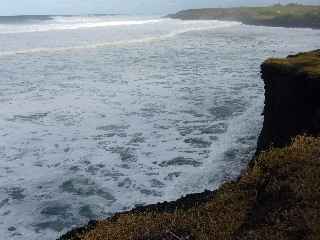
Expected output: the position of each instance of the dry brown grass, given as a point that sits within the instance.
(304, 62)
(279, 198)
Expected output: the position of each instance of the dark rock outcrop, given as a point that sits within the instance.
(292, 99)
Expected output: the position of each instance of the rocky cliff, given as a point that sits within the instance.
(292, 99)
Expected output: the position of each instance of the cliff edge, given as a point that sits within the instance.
(292, 99)
(276, 198)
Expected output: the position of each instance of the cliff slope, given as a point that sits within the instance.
(278, 196)
(291, 15)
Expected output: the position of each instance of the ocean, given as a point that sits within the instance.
(102, 113)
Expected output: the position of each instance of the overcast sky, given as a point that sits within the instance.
(148, 7)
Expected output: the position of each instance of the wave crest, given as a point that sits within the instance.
(219, 24)
(70, 23)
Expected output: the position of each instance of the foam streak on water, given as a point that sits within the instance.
(98, 119)
(75, 23)
(159, 35)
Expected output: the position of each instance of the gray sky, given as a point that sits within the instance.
(15, 7)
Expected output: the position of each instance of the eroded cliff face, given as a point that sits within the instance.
(292, 99)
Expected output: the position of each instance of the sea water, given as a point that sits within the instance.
(100, 113)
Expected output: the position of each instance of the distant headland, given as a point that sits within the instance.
(291, 15)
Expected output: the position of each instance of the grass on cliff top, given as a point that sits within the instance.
(305, 62)
(284, 10)
(279, 10)
(279, 198)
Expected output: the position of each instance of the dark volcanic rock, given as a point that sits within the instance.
(292, 99)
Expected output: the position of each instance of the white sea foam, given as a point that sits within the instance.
(208, 25)
(87, 135)
(71, 23)
(213, 172)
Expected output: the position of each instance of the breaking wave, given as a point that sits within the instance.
(213, 25)
(27, 24)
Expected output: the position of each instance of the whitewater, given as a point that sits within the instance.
(102, 113)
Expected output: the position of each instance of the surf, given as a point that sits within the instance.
(181, 29)
(60, 23)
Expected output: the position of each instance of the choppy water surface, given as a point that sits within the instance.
(102, 113)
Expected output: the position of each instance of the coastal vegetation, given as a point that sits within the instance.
(291, 15)
(306, 63)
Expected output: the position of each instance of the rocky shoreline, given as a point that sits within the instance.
(268, 198)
